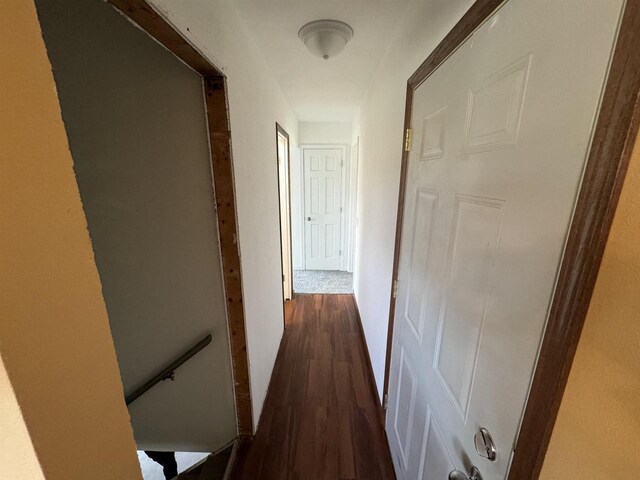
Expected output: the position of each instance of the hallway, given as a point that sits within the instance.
(320, 419)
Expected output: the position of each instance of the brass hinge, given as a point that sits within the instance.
(395, 288)
(385, 401)
(407, 139)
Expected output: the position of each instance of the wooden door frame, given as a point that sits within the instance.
(283, 132)
(607, 161)
(219, 132)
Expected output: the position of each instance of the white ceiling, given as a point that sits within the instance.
(317, 89)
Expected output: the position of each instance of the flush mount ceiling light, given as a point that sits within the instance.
(325, 38)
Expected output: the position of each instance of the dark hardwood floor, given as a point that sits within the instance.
(321, 419)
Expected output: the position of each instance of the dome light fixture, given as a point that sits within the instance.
(325, 38)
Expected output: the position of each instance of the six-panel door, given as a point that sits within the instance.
(501, 134)
(322, 208)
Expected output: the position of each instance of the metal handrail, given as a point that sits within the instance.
(168, 371)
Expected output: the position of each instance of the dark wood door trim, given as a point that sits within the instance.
(219, 130)
(283, 132)
(607, 162)
(613, 141)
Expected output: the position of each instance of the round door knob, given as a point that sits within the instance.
(458, 475)
(309, 219)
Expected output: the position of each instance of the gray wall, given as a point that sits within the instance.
(135, 120)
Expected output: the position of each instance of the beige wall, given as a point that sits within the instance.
(597, 433)
(54, 335)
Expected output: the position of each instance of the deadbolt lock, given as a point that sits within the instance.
(485, 446)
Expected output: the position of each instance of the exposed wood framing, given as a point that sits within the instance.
(141, 13)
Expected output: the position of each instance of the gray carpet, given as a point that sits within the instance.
(322, 281)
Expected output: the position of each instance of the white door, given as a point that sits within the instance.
(322, 208)
(501, 132)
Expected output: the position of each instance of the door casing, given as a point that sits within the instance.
(613, 139)
(281, 131)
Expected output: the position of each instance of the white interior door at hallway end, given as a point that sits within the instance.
(322, 208)
(501, 132)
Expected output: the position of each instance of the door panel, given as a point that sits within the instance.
(423, 227)
(435, 453)
(501, 134)
(474, 243)
(404, 412)
(322, 208)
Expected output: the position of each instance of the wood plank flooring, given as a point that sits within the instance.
(321, 419)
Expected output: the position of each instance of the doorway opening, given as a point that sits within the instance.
(323, 195)
(284, 200)
(160, 209)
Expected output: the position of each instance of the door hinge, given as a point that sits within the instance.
(283, 278)
(385, 401)
(340, 209)
(339, 252)
(395, 288)
(407, 139)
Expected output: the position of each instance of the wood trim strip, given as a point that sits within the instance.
(398, 240)
(614, 138)
(372, 378)
(146, 17)
(222, 164)
(369, 365)
(283, 132)
(215, 90)
(475, 16)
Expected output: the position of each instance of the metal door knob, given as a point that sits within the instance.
(309, 219)
(458, 475)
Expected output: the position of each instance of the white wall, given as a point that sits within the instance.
(379, 125)
(324, 132)
(256, 103)
(297, 212)
(310, 133)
